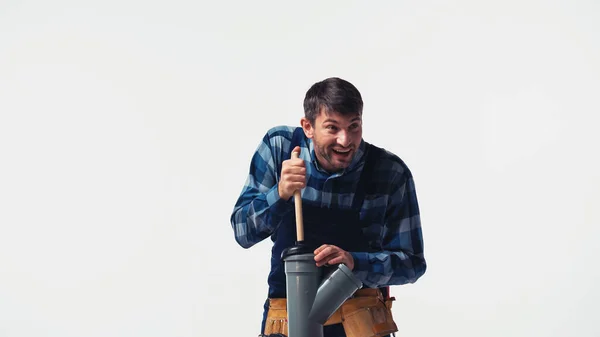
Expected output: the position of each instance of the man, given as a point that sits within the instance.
(359, 201)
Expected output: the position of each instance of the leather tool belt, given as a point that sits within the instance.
(365, 314)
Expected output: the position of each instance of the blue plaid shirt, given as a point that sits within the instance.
(393, 212)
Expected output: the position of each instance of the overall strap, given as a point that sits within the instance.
(296, 140)
(297, 137)
(372, 153)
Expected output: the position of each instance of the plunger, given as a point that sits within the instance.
(300, 246)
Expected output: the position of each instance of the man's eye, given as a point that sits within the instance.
(331, 127)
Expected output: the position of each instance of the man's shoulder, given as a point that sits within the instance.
(279, 138)
(390, 163)
(285, 131)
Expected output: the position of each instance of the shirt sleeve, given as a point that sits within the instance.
(401, 259)
(259, 210)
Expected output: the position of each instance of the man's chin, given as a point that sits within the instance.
(338, 163)
(341, 164)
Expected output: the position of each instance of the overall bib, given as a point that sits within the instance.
(322, 225)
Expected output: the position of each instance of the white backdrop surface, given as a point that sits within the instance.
(126, 129)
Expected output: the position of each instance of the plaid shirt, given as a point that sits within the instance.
(392, 211)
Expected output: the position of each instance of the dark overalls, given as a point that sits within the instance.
(339, 227)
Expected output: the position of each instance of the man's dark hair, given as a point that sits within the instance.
(335, 95)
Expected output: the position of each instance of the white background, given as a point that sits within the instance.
(127, 127)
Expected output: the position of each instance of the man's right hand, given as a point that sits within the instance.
(293, 176)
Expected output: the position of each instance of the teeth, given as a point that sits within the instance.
(342, 151)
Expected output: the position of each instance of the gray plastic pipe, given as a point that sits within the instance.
(312, 298)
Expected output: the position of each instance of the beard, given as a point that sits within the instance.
(332, 160)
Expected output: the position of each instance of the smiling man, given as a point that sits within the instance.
(359, 202)
(335, 138)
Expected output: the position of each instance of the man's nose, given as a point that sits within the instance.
(343, 138)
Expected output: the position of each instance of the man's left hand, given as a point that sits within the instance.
(330, 254)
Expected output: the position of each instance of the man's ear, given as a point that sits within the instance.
(307, 127)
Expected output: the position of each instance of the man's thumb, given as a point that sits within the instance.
(296, 152)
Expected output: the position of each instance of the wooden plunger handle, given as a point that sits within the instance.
(298, 204)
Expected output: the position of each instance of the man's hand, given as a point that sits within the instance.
(330, 254)
(293, 176)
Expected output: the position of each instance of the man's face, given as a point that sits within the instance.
(335, 137)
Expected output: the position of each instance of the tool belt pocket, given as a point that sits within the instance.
(368, 317)
(276, 321)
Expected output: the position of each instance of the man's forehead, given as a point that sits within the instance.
(327, 115)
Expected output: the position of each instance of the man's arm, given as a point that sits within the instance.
(401, 260)
(259, 210)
